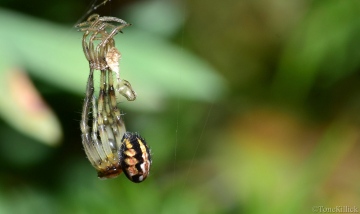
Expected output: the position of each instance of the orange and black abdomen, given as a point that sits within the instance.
(136, 158)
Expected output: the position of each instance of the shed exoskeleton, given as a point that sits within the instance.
(107, 144)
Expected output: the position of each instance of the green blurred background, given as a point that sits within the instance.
(248, 106)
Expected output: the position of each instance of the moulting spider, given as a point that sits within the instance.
(108, 146)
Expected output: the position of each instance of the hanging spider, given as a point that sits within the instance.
(108, 146)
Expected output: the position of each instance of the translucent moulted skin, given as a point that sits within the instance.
(108, 146)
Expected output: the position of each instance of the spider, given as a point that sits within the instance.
(108, 146)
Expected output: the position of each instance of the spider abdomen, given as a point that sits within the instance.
(136, 158)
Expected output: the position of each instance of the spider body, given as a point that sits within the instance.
(104, 141)
(136, 157)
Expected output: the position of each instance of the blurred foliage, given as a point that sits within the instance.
(248, 106)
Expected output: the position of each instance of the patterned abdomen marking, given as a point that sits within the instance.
(136, 159)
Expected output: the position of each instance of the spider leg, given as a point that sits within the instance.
(115, 112)
(94, 136)
(87, 142)
(86, 47)
(114, 116)
(96, 26)
(91, 19)
(113, 19)
(94, 55)
(86, 26)
(100, 117)
(88, 51)
(106, 133)
(109, 123)
(115, 31)
(109, 37)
